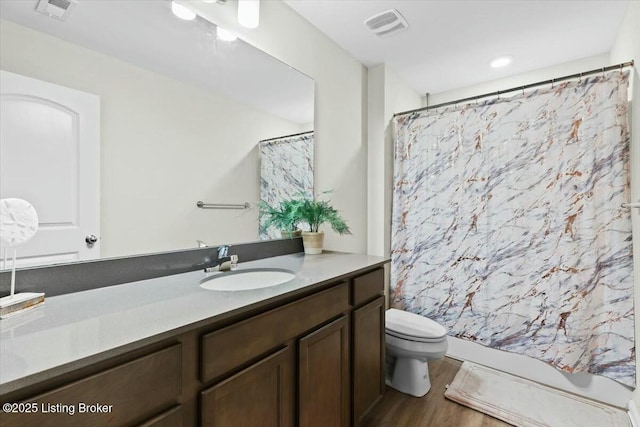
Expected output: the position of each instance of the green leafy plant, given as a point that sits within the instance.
(317, 212)
(283, 216)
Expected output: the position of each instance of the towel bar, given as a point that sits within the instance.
(203, 205)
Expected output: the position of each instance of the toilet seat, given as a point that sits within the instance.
(413, 327)
(415, 339)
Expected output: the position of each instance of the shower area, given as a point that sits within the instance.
(286, 171)
(511, 227)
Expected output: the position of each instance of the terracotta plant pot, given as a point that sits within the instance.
(313, 242)
(288, 234)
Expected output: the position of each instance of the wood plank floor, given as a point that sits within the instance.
(433, 410)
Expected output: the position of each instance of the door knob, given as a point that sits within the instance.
(91, 239)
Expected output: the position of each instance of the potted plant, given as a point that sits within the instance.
(283, 216)
(315, 213)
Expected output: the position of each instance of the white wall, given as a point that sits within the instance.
(340, 105)
(164, 145)
(564, 69)
(627, 47)
(387, 95)
(376, 159)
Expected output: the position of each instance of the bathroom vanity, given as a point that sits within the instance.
(166, 352)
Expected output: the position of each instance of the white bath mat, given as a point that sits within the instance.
(525, 403)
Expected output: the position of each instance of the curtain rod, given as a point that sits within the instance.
(285, 136)
(528, 86)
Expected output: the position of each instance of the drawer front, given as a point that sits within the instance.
(368, 286)
(237, 344)
(126, 394)
(170, 418)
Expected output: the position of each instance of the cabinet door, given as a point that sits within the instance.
(324, 398)
(368, 357)
(261, 395)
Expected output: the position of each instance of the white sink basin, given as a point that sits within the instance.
(245, 280)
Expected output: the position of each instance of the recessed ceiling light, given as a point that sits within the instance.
(501, 61)
(224, 34)
(182, 12)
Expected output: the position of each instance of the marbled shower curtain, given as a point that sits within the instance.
(508, 227)
(286, 171)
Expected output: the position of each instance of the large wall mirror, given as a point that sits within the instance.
(180, 114)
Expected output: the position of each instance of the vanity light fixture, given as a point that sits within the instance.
(224, 34)
(182, 12)
(501, 61)
(249, 13)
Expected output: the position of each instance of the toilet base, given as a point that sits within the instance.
(409, 376)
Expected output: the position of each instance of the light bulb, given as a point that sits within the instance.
(182, 12)
(224, 34)
(249, 13)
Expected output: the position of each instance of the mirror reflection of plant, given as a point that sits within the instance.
(283, 216)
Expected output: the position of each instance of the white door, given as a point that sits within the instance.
(49, 156)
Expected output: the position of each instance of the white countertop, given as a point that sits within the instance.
(73, 330)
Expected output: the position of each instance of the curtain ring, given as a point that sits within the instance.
(603, 72)
(552, 83)
(580, 78)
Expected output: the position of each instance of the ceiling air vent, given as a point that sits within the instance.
(59, 9)
(387, 23)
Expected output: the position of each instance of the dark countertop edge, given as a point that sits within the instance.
(237, 314)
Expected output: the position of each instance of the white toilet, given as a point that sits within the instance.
(411, 340)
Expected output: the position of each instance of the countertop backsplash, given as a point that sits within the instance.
(85, 275)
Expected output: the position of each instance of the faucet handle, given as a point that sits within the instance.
(223, 251)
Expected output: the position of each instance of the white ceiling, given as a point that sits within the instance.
(449, 43)
(147, 34)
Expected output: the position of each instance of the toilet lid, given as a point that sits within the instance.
(412, 325)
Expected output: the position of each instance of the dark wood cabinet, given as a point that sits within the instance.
(324, 376)
(368, 357)
(170, 418)
(316, 359)
(124, 395)
(249, 339)
(260, 395)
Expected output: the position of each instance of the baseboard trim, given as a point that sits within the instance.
(634, 414)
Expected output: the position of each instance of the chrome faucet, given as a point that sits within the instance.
(224, 262)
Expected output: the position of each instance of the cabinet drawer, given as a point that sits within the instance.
(367, 286)
(237, 344)
(170, 418)
(128, 393)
